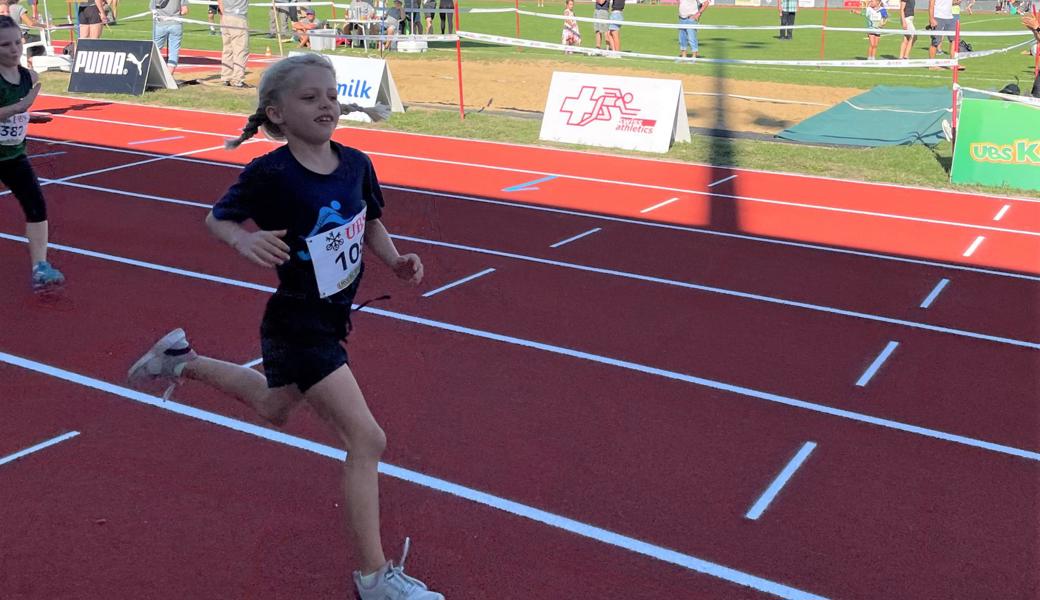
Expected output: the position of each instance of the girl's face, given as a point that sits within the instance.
(10, 46)
(570, 4)
(309, 111)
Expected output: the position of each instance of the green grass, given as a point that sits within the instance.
(992, 72)
(914, 165)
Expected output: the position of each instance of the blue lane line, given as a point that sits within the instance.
(37, 447)
(935, 293)
(522, 186)
(864, 379)
(774, 488)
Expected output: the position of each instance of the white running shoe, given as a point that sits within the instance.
(161, 363)
(947, 130)
(391, 583)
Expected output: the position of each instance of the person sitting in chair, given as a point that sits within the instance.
(306, 23)
(392, 23)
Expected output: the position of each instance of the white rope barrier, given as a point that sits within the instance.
(896, 64)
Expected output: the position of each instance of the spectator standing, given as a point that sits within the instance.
(788, 11)
(449, 16)
(214, 10)
(234, 36)
(429, 8)
(602, 11)
(690, 12)
(617, 16)
(167, 32)
(92, 18)
(875, 21)
(906, 14)
(278, 19)
(940, 17)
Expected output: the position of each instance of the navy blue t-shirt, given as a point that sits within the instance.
(276, 192)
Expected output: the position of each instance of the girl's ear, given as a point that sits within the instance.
(274, 115)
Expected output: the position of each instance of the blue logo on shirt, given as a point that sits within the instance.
(327, 215)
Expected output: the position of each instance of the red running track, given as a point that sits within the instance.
(875, 513)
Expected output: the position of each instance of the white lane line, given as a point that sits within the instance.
(867, 375)
(421, 479)
(640, 223)
(723, 180)
(577, 237)
(974, 246)
(934, 293)
(595, 358)
(253, 363)
(459, 282)
(45, 154)
(851, 211)
(722, 291)
(1002, 212)
(657, 206)
(781, 480)
(156, 140)
(55, 440)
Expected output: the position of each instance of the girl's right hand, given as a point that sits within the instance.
(264, 248)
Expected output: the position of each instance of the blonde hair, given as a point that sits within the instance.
(281, 77)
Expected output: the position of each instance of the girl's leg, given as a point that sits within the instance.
(172, 357)
(37, 234)
(339, 401)
(245, 385)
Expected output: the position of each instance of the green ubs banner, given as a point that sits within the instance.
(998, 143)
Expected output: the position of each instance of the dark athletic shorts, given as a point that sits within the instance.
(302, 340)
(89, 15)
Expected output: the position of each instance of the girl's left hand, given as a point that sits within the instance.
(38, 118)
(409, 267)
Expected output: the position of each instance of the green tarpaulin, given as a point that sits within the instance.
(884, 116)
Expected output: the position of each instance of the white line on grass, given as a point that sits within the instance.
(867, 375)
(459, 282)
(934, 293)
(595, 358)
(55, 440)
(577, 237)
(781, 480)
(540, 516)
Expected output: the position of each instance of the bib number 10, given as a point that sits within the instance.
(336, 255)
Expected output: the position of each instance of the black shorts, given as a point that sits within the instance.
(18, 175)
(214, 9)
(302, 340)
(89, 15)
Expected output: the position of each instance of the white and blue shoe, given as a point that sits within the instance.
(45, 277)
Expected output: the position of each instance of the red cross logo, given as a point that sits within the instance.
(587, 107)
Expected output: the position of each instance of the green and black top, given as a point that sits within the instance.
(12, 130)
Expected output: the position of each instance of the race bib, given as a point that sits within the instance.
(336, 255)
(12, 130)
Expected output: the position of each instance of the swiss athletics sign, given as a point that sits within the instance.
(620, 112)
(118, 67)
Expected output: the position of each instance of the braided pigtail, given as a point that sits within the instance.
(256, 121)
(379, 112)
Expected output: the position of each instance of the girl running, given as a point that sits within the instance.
(18, 89)
(315, 203)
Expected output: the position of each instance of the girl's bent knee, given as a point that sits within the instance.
(370, 443)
